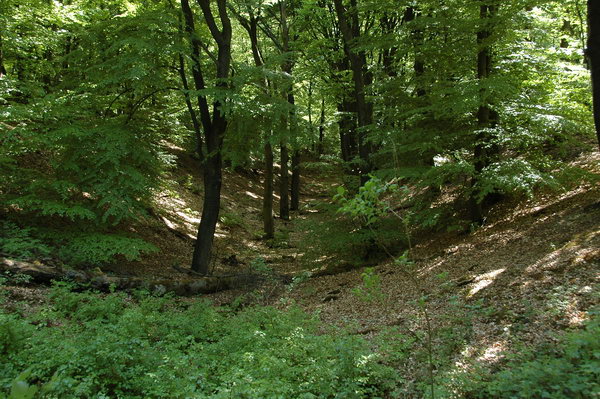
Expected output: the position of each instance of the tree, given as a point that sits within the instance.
(214, 124)
(486, 116)
(593, 53)
(250, 24)
(350, 28)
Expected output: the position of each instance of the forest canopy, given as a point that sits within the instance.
(381, 198)
(473, 100)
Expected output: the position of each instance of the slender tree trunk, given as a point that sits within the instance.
(410, 15)
(251, 26)
(485, 116)
(190, 107)
(287, 66)
(322, 127)
(295, 198)
(186, 89)
(293, 125)
(309, 114)
(267, 213)
(2, 68)
(347, 127)
(284, 182)
(593, 54)
(361, 78)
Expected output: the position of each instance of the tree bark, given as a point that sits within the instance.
(347, 127)
(361, 78)
(284, 182)
(410, 15)
(322, 127)
(486, 117)
(286, 66)
(293, 128)
(251, 26)
(185, 287)
(267, 213)
(593, 55)
(295, 195)
(2, 68)
(214, 125)
(210, 213)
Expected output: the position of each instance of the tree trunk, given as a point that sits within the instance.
(295, 200)
(251, 26)
(287, 67)
(214, 125)
(210, 214)
(347, 128)
(267, 214)
(593, 54)
(485, 115)
(284, 183)
(410, 15)
(2, 68)
(361, 78)
(322, 127)
(189, 285)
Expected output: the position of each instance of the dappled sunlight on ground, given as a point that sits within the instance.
(483, 280)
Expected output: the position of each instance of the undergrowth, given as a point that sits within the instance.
(84, 345)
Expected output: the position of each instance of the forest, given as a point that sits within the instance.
(299, 199)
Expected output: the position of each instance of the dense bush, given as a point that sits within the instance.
(571, 370)
(84, 345)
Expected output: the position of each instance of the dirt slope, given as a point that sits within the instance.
(531, 271)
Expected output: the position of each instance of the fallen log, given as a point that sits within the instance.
(185, 287)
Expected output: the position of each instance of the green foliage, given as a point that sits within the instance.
(18, 243)
(98, 249)
(259, 265)
(370, 291)
(346, 240)
(114, 346)
(363, 226)
(570, 371)
(299, 279)
(368, 205)
(230, 220)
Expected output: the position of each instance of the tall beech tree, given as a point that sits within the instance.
(214, 123)
(250, 23)
(348, 21)
(486, 117)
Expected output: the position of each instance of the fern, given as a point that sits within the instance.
(98, 249)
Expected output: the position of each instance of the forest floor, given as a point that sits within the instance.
(531, 271)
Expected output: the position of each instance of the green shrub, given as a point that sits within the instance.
(19, 243)
(98, 248)
(343, 239)
(570, 371)
(118, 346)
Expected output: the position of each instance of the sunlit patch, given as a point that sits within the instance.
(251, 194)
(576, 318)
(188, 218)
(493, 352)
(483, 280)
